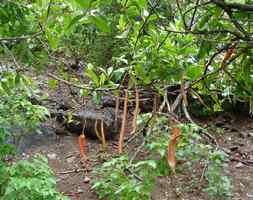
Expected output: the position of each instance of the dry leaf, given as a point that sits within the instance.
(227, 56)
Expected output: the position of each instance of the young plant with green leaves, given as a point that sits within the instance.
(126, 178)
(22, 180)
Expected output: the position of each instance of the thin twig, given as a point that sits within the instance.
(72, 171)
(80, 86)
(136, 111)
(146, 21)
(194, 13)
(137, 152)
(25, 37)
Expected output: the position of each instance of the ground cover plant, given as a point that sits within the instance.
(167, 62)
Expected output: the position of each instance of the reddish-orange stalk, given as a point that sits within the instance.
(176, 132)
(116, 108)
(123, 124)
(103, 135)
(136, 111)
(97, 132)
(82, 146)
(227, 56)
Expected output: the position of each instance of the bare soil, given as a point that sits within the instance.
(74, 178)
(233, 132)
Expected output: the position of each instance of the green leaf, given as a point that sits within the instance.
(235, 1)
(53, 39)
(5, 87)
(141, 3)
(96, 97)
(83, 93)
(18, 79)
(101, 23)
(92, 75)
(125, 33)
(52, 83)
(83, 3)
(102, 79)
(74, 21)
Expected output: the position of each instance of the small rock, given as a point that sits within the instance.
(70, 159)
(86, 179)
(242, 134)
(79, 190)
(58, 180)
(250, 195)
(234, 148)
(250, 134)
(52, 156)
(239, 165)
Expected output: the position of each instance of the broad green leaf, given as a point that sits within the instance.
(141, 3)
(74, 21)
(53, 38)
(102, 79)
(101, 23)
(83, 3)
(118, 73)
(18, 78)
(92, 75)
(125, 33)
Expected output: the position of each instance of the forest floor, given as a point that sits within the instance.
(234, 133)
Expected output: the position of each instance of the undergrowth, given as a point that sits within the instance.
(125, 178)
(22, 180)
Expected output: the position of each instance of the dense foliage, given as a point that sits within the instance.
(135, 179)
(21, 180)
(158, 43)
(204, 47)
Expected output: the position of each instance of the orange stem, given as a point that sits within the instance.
(103, 135)
(123, 125)
(82, 145)
(136, 111)
(176, 132)
(116, 108)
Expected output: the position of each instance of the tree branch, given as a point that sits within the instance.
(194, 13)
(146, 21)
(80, 86)
(228, 7)
(25, 37)
(234, 6)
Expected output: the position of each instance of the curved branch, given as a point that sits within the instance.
(234, 6)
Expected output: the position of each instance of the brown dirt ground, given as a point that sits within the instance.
(73, 178)
(232, 131)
